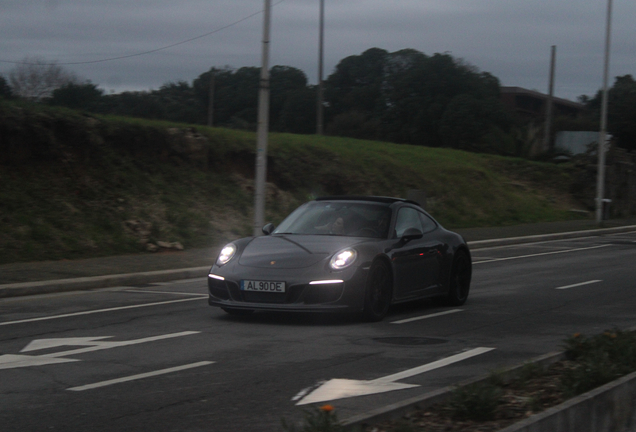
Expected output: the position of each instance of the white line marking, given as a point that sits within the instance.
(541, 254)
(579, 284)
(181, 281)
(100, 311)
(139, 376)
(434, 365)
(164, 292)
(427, 316)
(626, 232)
(514, 245)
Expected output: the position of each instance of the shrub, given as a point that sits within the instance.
(599, 360)
(475, 402)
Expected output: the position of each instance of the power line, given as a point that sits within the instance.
(144, 52)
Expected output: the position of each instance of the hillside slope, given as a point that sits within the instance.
(76, 185)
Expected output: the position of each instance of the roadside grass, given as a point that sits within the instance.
(503, 399)
(73, 184)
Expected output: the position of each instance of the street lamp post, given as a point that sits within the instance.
(602, 136)
(319, 103)
(263, 127)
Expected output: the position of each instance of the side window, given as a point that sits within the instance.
(428, 223)
(407, 218)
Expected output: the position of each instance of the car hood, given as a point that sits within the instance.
(292, 251)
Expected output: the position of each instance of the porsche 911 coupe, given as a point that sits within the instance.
(343, 254)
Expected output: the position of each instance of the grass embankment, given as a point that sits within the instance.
(75, 185)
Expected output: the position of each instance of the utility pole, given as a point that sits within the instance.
(548, 111)
(263, 127)
(319, 103)
(602, 136)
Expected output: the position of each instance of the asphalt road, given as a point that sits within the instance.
(158, 358)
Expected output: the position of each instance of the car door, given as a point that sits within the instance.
(415, 262)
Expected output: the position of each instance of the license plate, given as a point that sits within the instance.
(263, 286)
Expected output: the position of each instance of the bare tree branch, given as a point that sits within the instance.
(36, 78)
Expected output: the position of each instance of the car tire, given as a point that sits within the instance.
(378, 292)
(459, 281)
(238, 312)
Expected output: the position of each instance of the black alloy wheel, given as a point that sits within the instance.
(460, 276)
(378, 292)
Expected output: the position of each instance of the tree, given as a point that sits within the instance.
(356, 84)
(5, 90)
(287, 82)
(179, 103)
(84, 96)
(622, 111)
(236, 98)
(298, 114)
(235, 95)
(409, 97)
(621, 114)
(35, 78)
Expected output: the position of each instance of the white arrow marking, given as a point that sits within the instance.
(9, 361)
(343, 388)
(39, 344)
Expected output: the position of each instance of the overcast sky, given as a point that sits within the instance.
(509, 38)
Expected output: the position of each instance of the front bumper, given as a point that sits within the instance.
(299, 296)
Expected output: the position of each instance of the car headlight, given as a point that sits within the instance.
(226, 254)
(343, 259)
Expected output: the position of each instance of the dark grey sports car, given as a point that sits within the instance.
(351, 254)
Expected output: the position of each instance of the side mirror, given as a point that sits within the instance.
(269, 228)
(412, 234)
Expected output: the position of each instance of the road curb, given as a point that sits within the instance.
(609, 407)
(93, 282)
(480, 244)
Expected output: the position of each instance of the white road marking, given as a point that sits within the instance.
(578, 284)
(407, 320)
(627, 232)
(514, 245)
(15, 361)
(434, 365)
(164, 292)
(181, 281)
(100, 311)
(40, 344)
(540, 254)
(345, 388)
(139, 376)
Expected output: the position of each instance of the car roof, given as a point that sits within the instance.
(378, 199)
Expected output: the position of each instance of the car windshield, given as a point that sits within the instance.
(341, 218)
